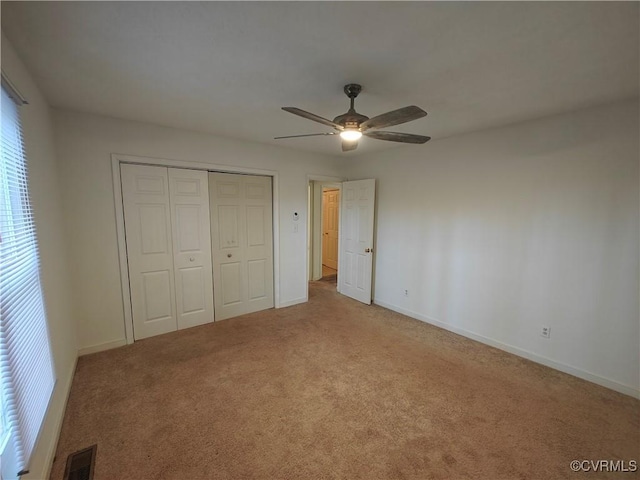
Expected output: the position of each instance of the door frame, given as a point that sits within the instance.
(117, 159)
(312, 247)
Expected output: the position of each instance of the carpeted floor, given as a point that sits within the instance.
(333, 389)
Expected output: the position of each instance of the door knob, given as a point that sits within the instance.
(368, 250)
(191, 259)
(228, 255)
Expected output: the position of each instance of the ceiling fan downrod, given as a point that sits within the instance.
(351, 119)
(352, 90)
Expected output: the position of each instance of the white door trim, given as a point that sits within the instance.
(117, 159)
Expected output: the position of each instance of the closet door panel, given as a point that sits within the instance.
(227, 218)
(145, 196)
(259, 242)
(242, 243)
(189, 201)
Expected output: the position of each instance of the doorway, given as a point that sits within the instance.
(355, 211)
(324, 225)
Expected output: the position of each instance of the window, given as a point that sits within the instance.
(26, 370)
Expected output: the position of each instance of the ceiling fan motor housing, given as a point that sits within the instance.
(351, 119)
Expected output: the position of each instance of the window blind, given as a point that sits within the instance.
(26, 368)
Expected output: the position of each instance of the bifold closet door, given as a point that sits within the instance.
(168, 248)
(147, 214)
(189, 200)
(242, 243)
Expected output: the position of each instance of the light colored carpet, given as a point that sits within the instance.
(333, 389)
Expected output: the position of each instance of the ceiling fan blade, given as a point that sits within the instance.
(349, 145)
(398, 137)
(395, 117)
(312, 116)
(307, 135)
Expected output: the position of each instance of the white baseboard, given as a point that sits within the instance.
(291, 303)
(576, 372)
(101, 347)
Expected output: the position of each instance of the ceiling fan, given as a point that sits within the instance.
(352, 125)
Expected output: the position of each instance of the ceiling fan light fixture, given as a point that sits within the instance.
(350, 135)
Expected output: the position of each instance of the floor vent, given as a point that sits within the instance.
(80, 464)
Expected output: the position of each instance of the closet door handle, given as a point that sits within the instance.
(228, 255)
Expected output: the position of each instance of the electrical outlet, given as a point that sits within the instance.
(406, 292)
(545, 331)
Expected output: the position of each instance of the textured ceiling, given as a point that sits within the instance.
(227, 67)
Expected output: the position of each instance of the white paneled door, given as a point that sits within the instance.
(356, 245)
(168, 248)
(242, 243)
(189, 200)
(145, 196)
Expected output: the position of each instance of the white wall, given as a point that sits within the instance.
(497, 233)
(46, 201)
(85, 143)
